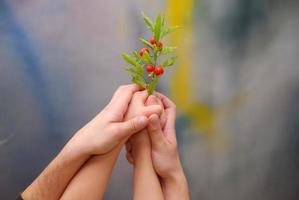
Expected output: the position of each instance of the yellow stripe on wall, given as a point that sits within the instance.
(180, 13)
(182, 89)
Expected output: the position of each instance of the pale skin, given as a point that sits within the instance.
(164, 153)
(101, 135)
(162, 157)
(83, 167)
(90, 182)
(146, 181)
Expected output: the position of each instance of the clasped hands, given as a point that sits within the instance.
(146, 125)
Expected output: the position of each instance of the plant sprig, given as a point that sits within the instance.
(144, 66)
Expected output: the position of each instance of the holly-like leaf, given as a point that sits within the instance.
(168, 49)
(146, 43)
(138, 62)
(148, 22)
(129, 59)
(132, 61)
(150, 87)
(139, 66)
(169, 62)
(158, 27)
(139, 81)
(146, 58)
(136, 55)
(135, 71)
(168, 30)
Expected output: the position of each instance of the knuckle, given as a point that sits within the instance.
(121, 88)
(133, 125)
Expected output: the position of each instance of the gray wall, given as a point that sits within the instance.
(60, 64)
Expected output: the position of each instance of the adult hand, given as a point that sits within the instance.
(162, 136)
(163, 140)
(140, 141)
(110, 127)
(164, 153)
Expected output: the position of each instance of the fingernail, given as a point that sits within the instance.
(142, 121)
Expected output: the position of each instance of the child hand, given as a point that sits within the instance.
(161, 132)
(140, 142)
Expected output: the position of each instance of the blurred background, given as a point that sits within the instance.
(236, 86)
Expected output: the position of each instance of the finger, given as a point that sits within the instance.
(155, 132)
(130, 158)
(165, 100)
(140, 97)
(128, 128)
(153, 100)
(170, 113)
(122, 97)
(169, 128)
(153, 109)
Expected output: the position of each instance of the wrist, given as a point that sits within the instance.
(174, 170)
(174, 178)
(176, 187)
(76, 147)
(141, 153)
(141, 144)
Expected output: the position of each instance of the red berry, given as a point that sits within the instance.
(160, 45)
(150, 68)
(142, 51)
(159, 71)
(152, 40)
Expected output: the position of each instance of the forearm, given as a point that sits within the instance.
(91, 181)
(175, 187)
(146, 181)
(51, 183)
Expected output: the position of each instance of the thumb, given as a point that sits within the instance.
(155, 131)
(132, 126)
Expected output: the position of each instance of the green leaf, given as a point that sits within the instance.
(168, 49)
(129, 59)
(158, 27)
(136, 55)
(169, 62)
(148, 22)
(132, 61)
(146, 58)
(135, 71)
(146, 43)
(151, 87)
(138, 74)
(163, 21)
(139, 81)
(139, 66)
(168, 30)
